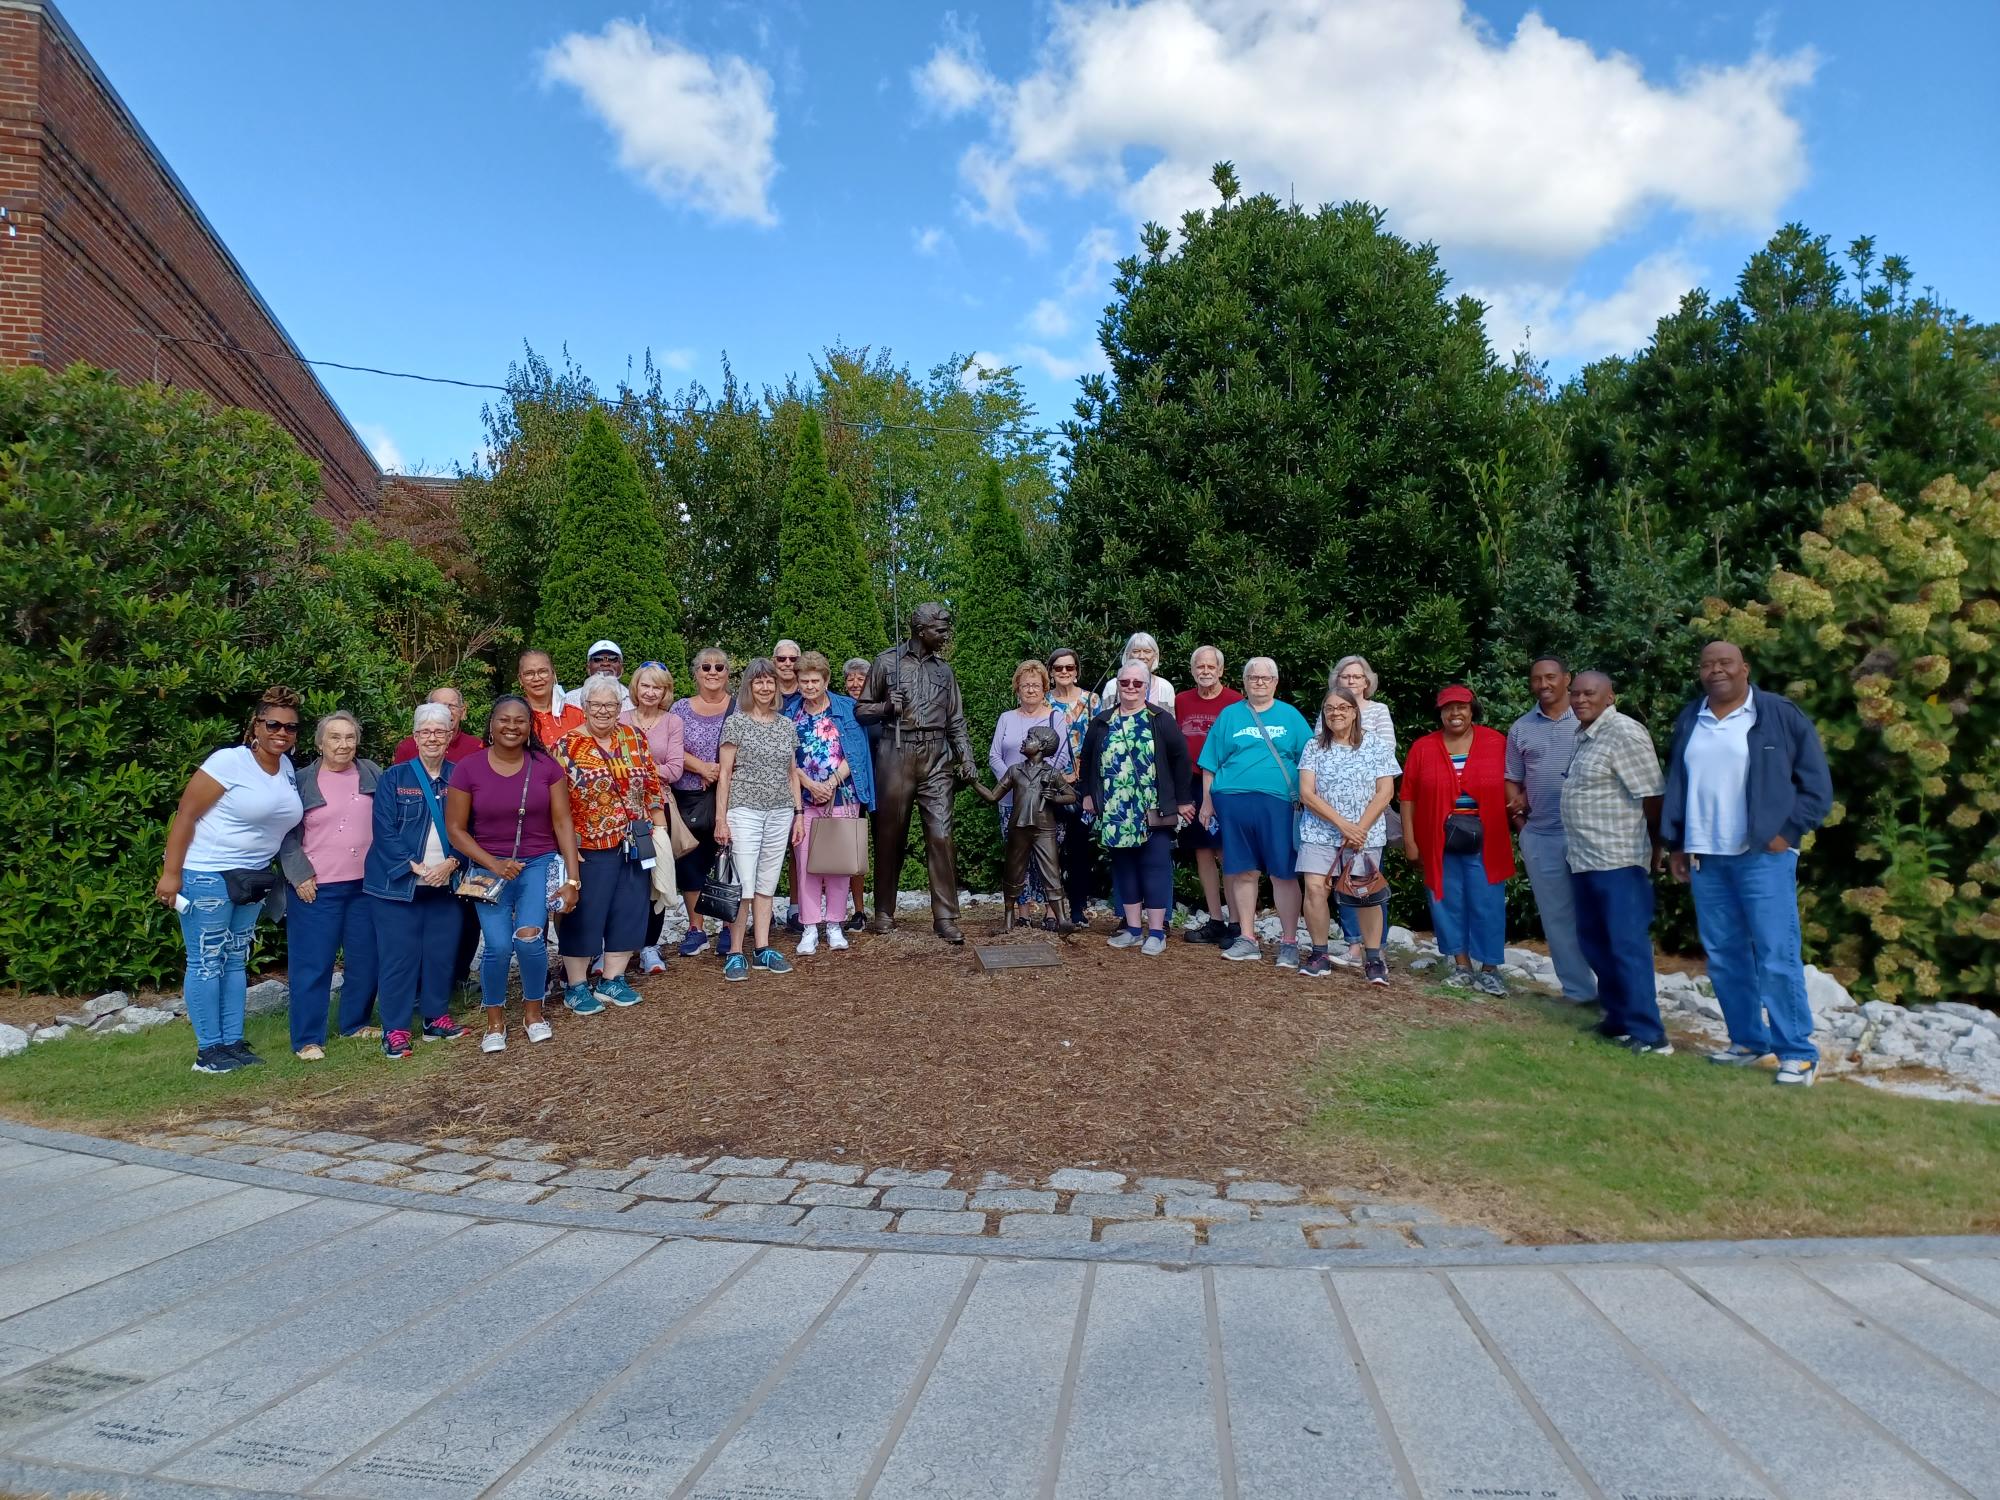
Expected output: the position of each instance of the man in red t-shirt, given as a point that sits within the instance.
(462, 744)
(1196, 711)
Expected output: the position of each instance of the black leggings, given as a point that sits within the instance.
(1079, 860)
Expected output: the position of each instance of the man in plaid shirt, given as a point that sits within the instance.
(1611, 818)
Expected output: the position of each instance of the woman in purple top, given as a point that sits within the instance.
(701, 717)
(1033, 708)
(506, 812)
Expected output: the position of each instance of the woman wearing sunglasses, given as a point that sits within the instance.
(234, 813)
(702, 717)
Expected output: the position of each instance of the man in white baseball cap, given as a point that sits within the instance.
(605, 659)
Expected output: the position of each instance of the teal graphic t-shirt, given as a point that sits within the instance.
(1236, 755)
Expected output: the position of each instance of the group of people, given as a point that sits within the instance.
(590, 810)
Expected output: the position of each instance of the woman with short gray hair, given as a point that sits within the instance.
(410, 875)
(326, 914)
(1250, 775)
(1142, 647)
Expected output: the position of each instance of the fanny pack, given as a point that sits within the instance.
(248, 887)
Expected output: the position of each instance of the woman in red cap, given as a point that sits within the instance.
(1455, 829)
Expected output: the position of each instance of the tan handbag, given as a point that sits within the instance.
(680, 837)
(837, 846)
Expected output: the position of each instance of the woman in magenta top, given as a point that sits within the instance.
(506, 812)
(701, 717)
(325, 913)
(1455, 829)
(651, 713)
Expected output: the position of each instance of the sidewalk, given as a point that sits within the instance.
(178, 1327)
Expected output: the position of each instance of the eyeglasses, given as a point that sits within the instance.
(1261, 677)
(280, 726)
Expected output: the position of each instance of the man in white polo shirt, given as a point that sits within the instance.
(1746, 781)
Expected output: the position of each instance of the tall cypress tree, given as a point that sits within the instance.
(993, 632)
(607, 576)
(825, 600)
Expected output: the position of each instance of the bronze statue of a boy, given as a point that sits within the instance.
(1037, 787)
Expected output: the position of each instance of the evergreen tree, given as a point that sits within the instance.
(607, 574)
(825, 600)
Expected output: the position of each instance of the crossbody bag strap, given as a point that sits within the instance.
(1283, 775)
(437, 812)
(521, 812)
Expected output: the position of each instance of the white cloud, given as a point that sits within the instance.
(1096, 253)
(1568, 325)
(677, 360)
(1062, 366)
(695, 129)
(930, 240)
(387, 455)
(1049, 319)
(1530, 146)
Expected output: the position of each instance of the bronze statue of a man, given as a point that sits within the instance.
(924, 749)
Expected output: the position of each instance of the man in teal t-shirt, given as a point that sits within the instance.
(1250, 786)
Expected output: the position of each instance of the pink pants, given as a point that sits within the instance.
(822, 898)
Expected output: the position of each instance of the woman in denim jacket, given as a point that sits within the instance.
(326, 913)
(409, 876)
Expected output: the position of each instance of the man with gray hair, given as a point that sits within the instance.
(1540, 746)
(1196, 711)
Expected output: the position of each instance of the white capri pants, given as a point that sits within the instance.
(758, 842)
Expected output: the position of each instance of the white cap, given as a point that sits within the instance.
(597, 647)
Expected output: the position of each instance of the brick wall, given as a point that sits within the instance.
(110, 250)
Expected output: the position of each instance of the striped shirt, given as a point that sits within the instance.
(1613, 770)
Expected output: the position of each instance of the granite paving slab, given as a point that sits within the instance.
(264, 1334)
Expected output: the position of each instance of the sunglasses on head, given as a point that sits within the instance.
(645, 664)
(281, 726)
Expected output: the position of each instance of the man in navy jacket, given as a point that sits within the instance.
(1746, 781)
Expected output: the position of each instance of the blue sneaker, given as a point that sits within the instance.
(736, 966)
(580, 1001)
(771, 961)
(724, 940)
(618, 991)
(693, 943)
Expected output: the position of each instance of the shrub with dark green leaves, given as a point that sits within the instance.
(825, 598)
(161, 563)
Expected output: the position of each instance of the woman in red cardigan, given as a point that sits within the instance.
(1455, 828)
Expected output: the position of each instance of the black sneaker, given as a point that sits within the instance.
(857, 923)
(1376, 969)
(1212, 932)
(215, 1060)
(793, 925)
(1661, 1048)
(245, 1058)
(1611, 1032)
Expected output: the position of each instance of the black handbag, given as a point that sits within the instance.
(698, 811)
(248, 887)
(721, 893)
(1464, 834)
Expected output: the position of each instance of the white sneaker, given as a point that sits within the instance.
(836, 938)
(809, 941)
(650, 961)
(540, 1031)
(1350, 957)
(493, 1041)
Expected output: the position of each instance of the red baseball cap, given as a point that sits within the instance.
(1458, 692)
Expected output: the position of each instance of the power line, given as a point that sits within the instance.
(871, 426)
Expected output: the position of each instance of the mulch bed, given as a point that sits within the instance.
(901, 1052)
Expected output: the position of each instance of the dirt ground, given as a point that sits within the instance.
(902, 1052)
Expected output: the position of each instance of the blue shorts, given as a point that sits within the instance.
(1256, 834)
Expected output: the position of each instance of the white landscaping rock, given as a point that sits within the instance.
(50, 1034)
(1824, 992)
(142, 1016)
(12, 1040)
(263, 998)
(1400, 940)
(104, 1005)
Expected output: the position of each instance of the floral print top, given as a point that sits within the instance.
(819, 753)
(1129, 781)
(609, 792)
(1079, 714)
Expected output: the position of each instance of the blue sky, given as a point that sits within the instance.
(426, 186)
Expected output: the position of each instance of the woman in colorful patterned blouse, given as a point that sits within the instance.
(837, 773)
(759, 810)
(615, 798)
(1079, 850)
(1138, 783)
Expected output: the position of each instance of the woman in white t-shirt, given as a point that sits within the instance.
(1140, 646)
(232, 817)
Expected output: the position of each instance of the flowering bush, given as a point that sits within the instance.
(1886, 637)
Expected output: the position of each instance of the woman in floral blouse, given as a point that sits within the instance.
(618, 806)
(837, 775)
(1138, 782)
(1079, 851)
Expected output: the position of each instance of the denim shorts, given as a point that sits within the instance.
(1256, 834)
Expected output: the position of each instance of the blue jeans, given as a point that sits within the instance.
(522, 906)
(216, 933)
(1614, 923)
(1472, 917)
(1544, 857)
(1144, 876)
(416, 942)
(336, 920)
(1747, 907)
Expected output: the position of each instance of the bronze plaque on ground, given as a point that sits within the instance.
(1017, 956)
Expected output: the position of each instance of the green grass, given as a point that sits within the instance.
(1539, 1127)
(84, 1082)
